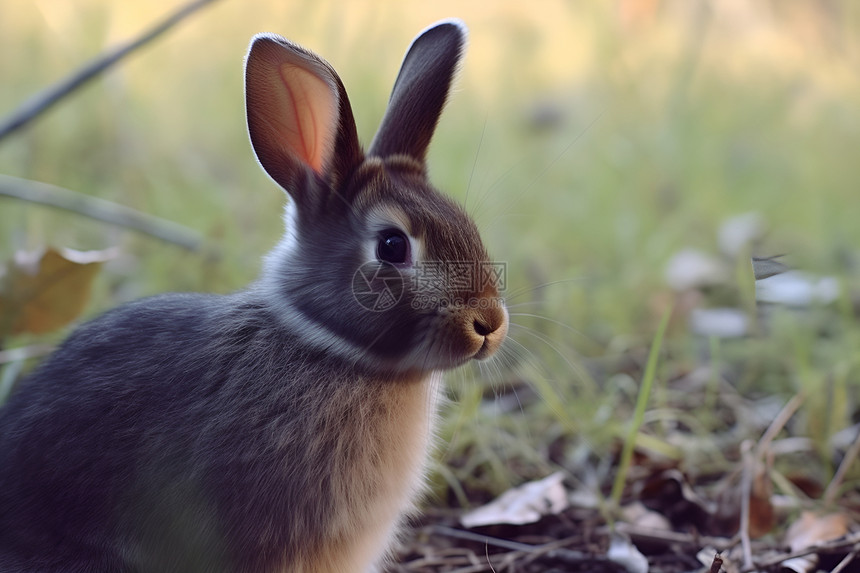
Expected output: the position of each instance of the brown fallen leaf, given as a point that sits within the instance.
(810, 530)
(671, 494)
(45, 290)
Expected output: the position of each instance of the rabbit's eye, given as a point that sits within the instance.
(393, 247)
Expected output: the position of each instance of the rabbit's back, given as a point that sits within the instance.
(221, 441)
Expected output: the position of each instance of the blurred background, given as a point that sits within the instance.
(592, 141)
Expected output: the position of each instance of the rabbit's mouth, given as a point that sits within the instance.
(470, 334)
(487, 349)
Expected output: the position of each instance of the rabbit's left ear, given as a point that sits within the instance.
(420, 91)
(299, 117)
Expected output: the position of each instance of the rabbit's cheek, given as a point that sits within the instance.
(391, 336)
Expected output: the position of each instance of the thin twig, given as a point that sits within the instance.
(847, 461)
(751, 458)
(851, 542)
(747, 476)
(778, 424)
(39, 103)
(843, 565)
(716, 564)
(486, 539)
(667, 536)
(101, 210)
(552, 550)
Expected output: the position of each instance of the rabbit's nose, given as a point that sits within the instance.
(491, 325)
(482, 328)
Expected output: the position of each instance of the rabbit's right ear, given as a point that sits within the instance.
(299, 118)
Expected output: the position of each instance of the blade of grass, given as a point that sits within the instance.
(641, 404)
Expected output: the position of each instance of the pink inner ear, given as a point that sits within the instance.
(307, 116)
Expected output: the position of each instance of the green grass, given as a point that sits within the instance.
(642, 401)
(665, 126)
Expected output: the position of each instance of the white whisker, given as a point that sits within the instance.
(581, 373)
(564, 325)
(474, 165)
(527, 290)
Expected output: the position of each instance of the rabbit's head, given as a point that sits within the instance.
(376, 265)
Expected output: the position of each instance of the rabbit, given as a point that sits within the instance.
(284, 427)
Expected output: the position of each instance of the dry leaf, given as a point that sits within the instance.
(670, 494)
(43, 291)
(710, 558)
(810, 530)
(637, 514)
(524, 504)
(624, 553)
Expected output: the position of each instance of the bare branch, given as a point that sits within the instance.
(101, 210)
(847, 462)
(42, 101)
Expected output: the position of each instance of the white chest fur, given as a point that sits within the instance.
(378, 482)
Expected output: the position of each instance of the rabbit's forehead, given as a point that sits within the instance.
(395, 193)
(438, 228)
(386, 215)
